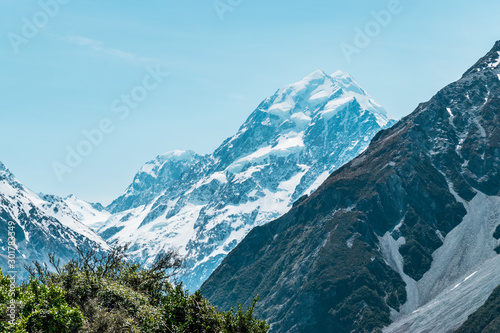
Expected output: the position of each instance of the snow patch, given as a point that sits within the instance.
(320, 180)
(334, 106)
(496, 63)
(279, 108)
(350, 240)
(287, 144)
(390, 252)
(7, 189)
(481, 128)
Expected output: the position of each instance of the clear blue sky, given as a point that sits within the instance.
(65, 78)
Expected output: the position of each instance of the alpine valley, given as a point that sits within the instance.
(404, 238)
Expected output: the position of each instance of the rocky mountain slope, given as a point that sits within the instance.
(404, 235)
(204, 205)
(44, 224)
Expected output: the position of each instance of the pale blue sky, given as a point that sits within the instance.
(65, 78)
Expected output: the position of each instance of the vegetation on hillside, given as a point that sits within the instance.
(106, 293)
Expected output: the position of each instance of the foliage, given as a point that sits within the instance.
(104, 292)
(38, 308)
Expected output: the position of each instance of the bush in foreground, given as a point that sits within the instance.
(106, 293)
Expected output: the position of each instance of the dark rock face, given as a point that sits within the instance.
(319, 268)
(497, 233)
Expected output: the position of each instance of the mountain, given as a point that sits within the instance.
(406, 235)
(44, 224)
(204, 205)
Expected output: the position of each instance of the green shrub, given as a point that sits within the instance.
(104, 292)
(43, 308)
(39, 308)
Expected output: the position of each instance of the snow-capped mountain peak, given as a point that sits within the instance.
(153, 177)
(353, 89)
(177, 156)
(6, 175)
(45, 224)
(307, 88)
(317, 74)
(320, 93)
(204, 205)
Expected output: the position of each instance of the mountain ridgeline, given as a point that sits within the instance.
(401, 237)
(44, 224)
(203, 206)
